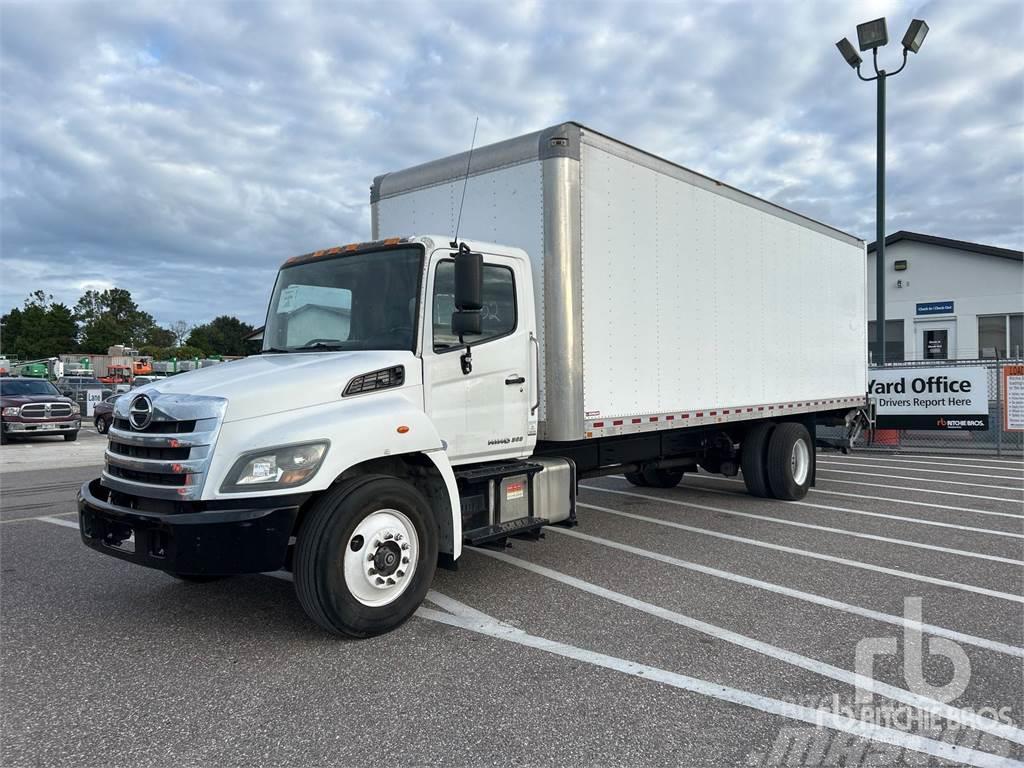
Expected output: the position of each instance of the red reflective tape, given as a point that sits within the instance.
(749, 410)
(598, 423)
(712, 413)
(670, 417)
(699, 414)
(637, 421)
(760, 407)
(653, 418)
(686, 415)
(724, 413)
(617, 423)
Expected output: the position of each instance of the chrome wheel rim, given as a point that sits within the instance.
(800, 462)
(380, 557)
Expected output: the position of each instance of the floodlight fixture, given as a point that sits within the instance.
(872, 34)
(916, 33)
(849, 52)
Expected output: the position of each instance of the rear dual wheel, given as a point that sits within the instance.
(790, 461)
(778, 460)
(655, 477)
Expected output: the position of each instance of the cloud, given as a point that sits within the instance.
(182, 150)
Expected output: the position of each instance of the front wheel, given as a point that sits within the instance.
(101, 425)
(790, 461)
(365, 556)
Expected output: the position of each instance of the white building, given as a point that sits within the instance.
(948, 299)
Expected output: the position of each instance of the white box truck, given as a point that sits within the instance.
(602, 311)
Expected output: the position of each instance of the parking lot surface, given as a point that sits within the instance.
(696, 626)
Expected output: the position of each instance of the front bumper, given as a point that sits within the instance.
(40, 427)
(214, 542)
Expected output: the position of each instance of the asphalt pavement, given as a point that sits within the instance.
(695, 626)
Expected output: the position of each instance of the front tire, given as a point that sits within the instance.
(790, 461)
(365, 556)
(101, 425)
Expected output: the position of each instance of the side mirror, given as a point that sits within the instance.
(469, 279)
(465, 322)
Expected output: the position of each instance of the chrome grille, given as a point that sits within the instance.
(169, 458)
(45, 411)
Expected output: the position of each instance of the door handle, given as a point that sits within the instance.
(513, 380)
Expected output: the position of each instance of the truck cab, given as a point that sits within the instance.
(387, 418)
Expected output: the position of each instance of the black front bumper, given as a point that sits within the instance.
(215, 542)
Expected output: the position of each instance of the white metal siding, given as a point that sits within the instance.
(692, 300)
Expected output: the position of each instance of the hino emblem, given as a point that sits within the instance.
(140, 412)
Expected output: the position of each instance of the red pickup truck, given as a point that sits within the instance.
(33, 407)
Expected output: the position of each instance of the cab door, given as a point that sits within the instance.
(487, 413)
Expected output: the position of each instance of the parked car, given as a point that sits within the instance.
(72, 385)
(103, 413)
(30, 407)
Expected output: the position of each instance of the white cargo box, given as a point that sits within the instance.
(664, 298)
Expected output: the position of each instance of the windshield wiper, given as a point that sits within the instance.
(318, 345)
(272, 350)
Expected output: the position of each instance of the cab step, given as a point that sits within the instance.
(524, 526)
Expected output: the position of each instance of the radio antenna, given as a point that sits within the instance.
(465, 182)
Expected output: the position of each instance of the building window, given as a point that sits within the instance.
(893, 341)
(1001, 336)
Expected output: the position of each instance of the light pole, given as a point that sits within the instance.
(872, 35)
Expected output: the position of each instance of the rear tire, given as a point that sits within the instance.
(365, 556)
(70, 437)
(662, 478)
(637, 479)
(790, 461)
(754, 459)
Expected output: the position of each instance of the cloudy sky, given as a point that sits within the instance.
(183, 149)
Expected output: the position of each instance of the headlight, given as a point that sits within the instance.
(272, 468)
(75, 409)
(15, 411)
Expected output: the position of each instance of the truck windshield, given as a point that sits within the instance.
(360, 301)
(16, 387)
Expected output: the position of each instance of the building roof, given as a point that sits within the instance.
(945, 242)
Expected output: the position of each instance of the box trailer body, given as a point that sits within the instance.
(601, 311)
(662, 297)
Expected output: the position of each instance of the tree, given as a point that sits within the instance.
(110, 317)
(224, 335)
(159, 337)
(181, 330)
(41, 328)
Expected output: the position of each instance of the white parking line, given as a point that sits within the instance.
(860, 464)
(890, 462)
(58, 521)
(36, 517)
(817, 490)
(915, 520)
(970, 719)
(926, 480)
(899, 456)
(809, 597)
(747, 699)
(810, 526)
(917, 490)
(814, 555)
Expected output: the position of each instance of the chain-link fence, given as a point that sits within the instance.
(996, 439)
